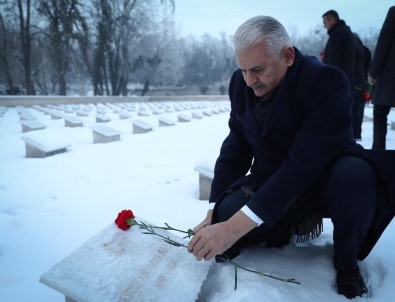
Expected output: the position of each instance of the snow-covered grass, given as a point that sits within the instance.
(50, 206)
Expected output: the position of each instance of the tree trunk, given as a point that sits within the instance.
(25, 39)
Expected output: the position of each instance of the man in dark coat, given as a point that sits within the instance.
(340, 47)
(382, 75)
(290, 159)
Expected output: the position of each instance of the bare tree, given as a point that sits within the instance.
(5, 55)
(25, 36)
(62, 16)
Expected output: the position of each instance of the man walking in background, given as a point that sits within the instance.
(382, 75)
(345, 50)
(340, 48)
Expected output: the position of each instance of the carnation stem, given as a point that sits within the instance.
(292, 280)
(149, 229)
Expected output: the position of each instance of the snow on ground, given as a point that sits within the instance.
(50, 206)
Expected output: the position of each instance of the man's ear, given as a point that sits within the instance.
(289, 55)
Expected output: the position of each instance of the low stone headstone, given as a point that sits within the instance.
(197, 114)
(215, 110)
(117, 265)
(124, 115)
(183, 118)
(31, 125)
(26, 117)
(102, 118)
(143, 111)
(56, 115)
(207, 112)
(44, 143)
(206, 175)
(104, 134)
(157, 111)
(164, 121)
(72, 121)
(82, 112)
(141, 127)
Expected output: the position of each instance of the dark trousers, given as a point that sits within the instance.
(358, 109)
(380, 113)
(346, 193)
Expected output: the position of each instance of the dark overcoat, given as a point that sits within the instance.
(383, 63)
(340, 49)
(306, 126)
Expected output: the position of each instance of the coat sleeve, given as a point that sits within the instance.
(235, 156)
(383, 44)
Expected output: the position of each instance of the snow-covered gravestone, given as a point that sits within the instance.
(118, 265)
(43, 143)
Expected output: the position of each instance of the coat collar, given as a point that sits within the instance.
(282, 99)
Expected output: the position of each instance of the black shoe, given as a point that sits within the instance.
(350, 283)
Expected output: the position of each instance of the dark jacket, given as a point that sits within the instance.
(383, 63)
(340, 49)
(306, 126)
(362, 64)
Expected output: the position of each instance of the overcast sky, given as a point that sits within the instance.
(199, 16)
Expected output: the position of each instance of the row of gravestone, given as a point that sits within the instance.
(38, 147)
(124, 110)
(142, 108)
(29, 121)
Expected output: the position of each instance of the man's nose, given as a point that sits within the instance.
(250, 78)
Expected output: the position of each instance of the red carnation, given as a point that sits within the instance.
(367, 96)
(125, 219)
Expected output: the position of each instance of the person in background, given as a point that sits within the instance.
(290, 159)
(340, 47)
(362, 64)
(382, 76)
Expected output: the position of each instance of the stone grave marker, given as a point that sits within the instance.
(117, 265)
(140, 126)
(183, 118)
(164, 121)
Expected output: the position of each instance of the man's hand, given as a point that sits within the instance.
(213, 239)
(205, 222)
(371, 80)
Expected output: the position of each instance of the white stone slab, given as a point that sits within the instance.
(56, 115)
(206, 175)
(43, 143)
(183, 118)
(164, 121)
(104, 134)
(197, 114)
(118, 265)
(102, 118)
(72, 121)
(140, 126)
(82, 113)
(124, 115)
(32, 125)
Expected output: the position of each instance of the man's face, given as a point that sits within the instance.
(261, 70)
(328, 21)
